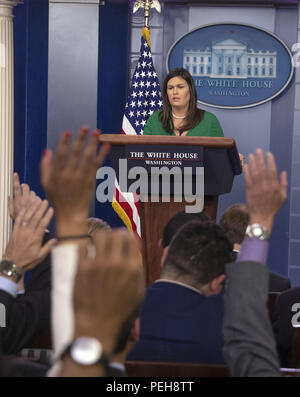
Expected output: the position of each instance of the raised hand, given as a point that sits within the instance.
(69, 178)
(109, 288)
(265, 191)
(22, 197)
(25, 245)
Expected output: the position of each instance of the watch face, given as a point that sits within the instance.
(8, 268)
(86, 350)
(257, 231)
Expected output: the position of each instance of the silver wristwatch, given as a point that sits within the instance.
(9, 269)
(258, 231)
(86, 351)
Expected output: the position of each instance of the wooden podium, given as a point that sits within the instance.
(218, 156)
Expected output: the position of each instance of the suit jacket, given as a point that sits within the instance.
(11, 366)
(28, 314)
(249, 345)
(277, 283)
(178, 324)
(282, 326)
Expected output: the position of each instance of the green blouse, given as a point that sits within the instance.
(208, 126)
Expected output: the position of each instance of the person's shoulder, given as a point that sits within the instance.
(209, 115)
(215, 126)
(153, 124)
(292, 294)
(155, 115)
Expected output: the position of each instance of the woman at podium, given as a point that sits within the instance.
(180, 115)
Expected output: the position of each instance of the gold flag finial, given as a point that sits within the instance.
(147, 5)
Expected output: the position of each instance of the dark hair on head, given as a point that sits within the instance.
(177, 221)
(94, 224)
(234, 222)
(124, 331)
(198, 253)
(194, 115)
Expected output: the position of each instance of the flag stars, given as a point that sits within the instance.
(145, 97)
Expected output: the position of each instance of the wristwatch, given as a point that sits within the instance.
(86, 351)
(258, 231)
(9, 269)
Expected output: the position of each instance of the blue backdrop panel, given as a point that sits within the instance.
(31, 69)
(113, 79)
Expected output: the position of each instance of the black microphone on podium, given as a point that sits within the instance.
(180, 132)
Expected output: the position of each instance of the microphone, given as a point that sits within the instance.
(180, 132)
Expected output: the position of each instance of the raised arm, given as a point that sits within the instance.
(249, 346)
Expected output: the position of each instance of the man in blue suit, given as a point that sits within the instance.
(181, 318)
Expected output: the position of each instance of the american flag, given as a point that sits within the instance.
(144, 98)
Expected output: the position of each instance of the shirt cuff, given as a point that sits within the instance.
(8, 286)
(254, 249)
(64, 266)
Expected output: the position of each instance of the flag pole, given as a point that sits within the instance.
(143, 100)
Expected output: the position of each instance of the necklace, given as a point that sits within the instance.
(178, 117)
